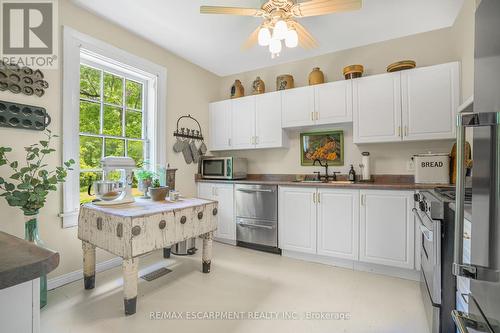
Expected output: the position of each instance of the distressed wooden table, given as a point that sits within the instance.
(131, 230)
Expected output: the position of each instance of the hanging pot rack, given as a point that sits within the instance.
(188, 133)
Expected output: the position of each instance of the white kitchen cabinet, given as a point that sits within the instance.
(220, 125)
(268, 132)
(333, 102)
(297, 219)
(224, 194)
(387, 228)
(297, 107)
(338, 223)
(20, 307)
(377, 108)
(243, 123)
(430, 98)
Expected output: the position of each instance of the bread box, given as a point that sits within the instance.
(432, 168)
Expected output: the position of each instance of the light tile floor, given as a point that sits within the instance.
(241, 281)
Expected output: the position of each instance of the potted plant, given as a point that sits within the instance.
(28, 187)
(144, 179)
(158, 192)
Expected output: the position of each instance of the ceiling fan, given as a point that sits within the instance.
(279, 21)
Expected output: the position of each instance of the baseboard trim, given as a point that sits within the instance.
(408, 274)
(61, 280)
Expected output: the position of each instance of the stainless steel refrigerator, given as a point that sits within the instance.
(484, 268)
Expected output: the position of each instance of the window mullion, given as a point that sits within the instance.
(124, 103)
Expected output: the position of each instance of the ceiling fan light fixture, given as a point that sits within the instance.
(291, 38)
(275, 46)
(280, 30)
(264, 36)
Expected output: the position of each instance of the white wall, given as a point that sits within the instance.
(440, 46)
(189, 89)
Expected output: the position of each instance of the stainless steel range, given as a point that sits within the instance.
(437, 285)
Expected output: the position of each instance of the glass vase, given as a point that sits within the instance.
(32, 235)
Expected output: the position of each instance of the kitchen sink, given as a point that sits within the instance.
(325, 182)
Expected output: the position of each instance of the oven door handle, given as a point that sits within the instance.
(428, 234)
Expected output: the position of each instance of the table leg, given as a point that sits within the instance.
(206, 255)
(130, 267)
(88, 265)
(166, 252)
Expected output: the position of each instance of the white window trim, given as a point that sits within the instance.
(73, 43)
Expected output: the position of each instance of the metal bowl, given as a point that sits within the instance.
(108, 190)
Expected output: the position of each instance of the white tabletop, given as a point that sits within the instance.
(144, 207)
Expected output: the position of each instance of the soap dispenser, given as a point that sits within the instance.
(352, 174)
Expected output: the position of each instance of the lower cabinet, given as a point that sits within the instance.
(224, 194)
(338, 223)
(387, 231)
(369, 226)
(297, 219)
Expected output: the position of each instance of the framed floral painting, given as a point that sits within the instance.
(325, 146)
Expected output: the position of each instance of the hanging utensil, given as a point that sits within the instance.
(178, 145)
(186, 152)
(194, 151)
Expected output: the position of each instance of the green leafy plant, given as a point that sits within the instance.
(143, 174)
(29, 185)
(156, 183)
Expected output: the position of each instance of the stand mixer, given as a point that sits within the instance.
(115, 192)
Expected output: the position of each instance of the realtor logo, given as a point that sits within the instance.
(28, 36)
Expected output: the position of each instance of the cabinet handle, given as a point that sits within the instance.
(312, 116)
(399, 130)
(319, 197)
(406, 130)
(256, 140)
(314, 197)
(229, 141)
(317, 115)
(362, 199)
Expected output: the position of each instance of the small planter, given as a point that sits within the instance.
(158, 193)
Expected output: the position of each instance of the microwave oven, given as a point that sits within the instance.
(223, 167)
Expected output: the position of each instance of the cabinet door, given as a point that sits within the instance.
(430, 101)
(206, 191)
(226, 230)
(297, 107)
(297, 219)
(268, 120)
(220, 125)
(338, 223)
(377, 108)
(333, 102)
(387, 228)
(243, 123)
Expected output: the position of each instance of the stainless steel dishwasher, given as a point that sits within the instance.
(257, 217)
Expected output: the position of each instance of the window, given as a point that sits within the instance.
(114, 103)
(112, 119)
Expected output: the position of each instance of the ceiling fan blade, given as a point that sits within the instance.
(230, 11)
(252, 39)
(324, 7)
(306, 40)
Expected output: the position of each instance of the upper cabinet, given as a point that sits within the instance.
(333, 102)
(411, 105)
(430, 99)
(268, 132)
(246, 123)
(219, 114)
(377, 108)
(417, 104)
(297, 107)
(243, 122)
(320, 104)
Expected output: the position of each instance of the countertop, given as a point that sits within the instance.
(382, 182)
(22, 261)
